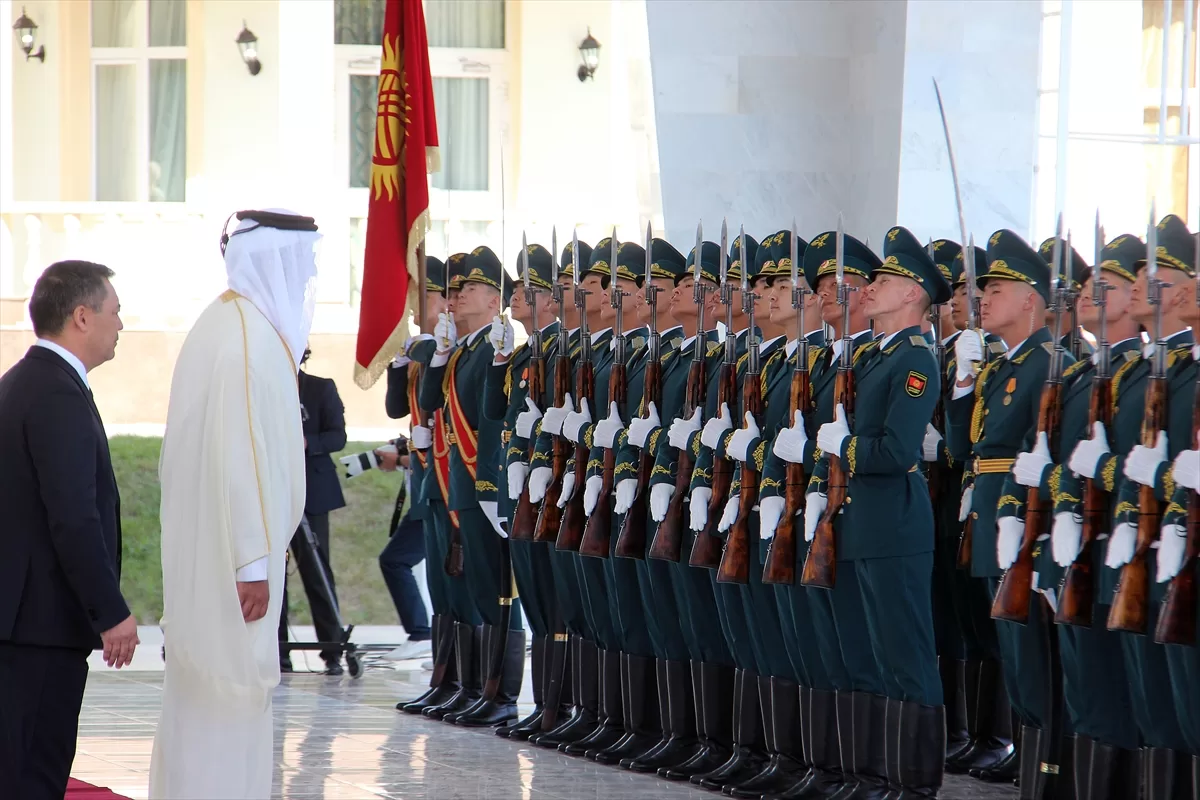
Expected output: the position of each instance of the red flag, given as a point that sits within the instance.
(405, 152)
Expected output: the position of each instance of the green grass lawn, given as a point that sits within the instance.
(358, 533)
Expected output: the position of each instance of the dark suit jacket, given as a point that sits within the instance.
(324, 433)
(60, 528)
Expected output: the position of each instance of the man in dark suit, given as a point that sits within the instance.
(60, 534)
(324, 433)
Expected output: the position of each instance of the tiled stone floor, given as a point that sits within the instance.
(341, 738)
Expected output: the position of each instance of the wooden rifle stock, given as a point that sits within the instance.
(1077, 594)
(706, 550)
(735, 557)
(780, 565)
(668, 539)
(1130, 611)
(965, 543)
(550, 515)
(631, 538)
(597, 532)
(570, 532)
(525, 516)
(1177, 618)
(820, 567)
(1012, 597)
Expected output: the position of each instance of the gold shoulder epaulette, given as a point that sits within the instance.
(814, 353)
(997, 348)
(715, 347)
(1076, 367)
(917, 340)
(1048, 347)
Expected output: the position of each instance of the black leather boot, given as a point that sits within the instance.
(1104, 772)
(679, 722)
(785, 765)
(712, 685)
(1166, 774)
(638, 713)
(444, 682)
(557, 697)
(467, 642)
(824, 779)
(524, 728)
(872, 721)
(585, 682)
(609, 726)
(955, 691)
(920, 733)
(993, 741)
(748, 753)
(498, 704)
(1034, 750)
(1085, 752)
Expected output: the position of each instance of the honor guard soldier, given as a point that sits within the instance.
(452, 382)
(841, 635)
(1163, 298)
(686, 380)
(510, 381)
(1097, 700)
(403, 383)
(998, 411)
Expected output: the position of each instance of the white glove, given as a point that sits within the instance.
(552, 422)
(930, 446)
(528, 418)
(814, 508)
(682, 429)
(575, 421)
(964, 507)
(445, 333)
(591, 493)
(421, 437)
(831, 435)
(501, 336)
(402, 359)
(698, 511)
(608, 428)
(1029, 467)
(739, 443)
(641, 427)
(1121, 545)
(770, 509)
(1172, 544)
(730, 513)
(568, 489)
(491, 511)
(626, 491)
(1141, 464)
(1187, 469)
(517, 472)
(789, 444)
(539, 482)
(1066, 538)
(660, 501)
(1088, 453)
(968, 350)
(1009, 532)
(715, 427)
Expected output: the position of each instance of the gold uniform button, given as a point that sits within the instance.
(974, 515)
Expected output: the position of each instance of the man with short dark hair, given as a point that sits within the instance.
(60, 542)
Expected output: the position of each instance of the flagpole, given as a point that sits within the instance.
(421, 286)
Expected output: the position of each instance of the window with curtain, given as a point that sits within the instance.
(139, 84)
(448, 23)
(1167, 166)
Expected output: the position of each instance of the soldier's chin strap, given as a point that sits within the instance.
(265, 219)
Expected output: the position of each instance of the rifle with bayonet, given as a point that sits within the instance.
(570, 531)
(820, 566)
(780, 564)
(453, 564)
(631, 538)
(735, 557)
(668, 539)
(964, 543)
(1077, 593)
(1012, 597)
(525, 517)
(1177, 618)
(1130, 611)
(935, 474)
(706, 549)
(550, 515)
(597, 533)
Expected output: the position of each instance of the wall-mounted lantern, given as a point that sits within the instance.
(25, 30)
(589, 48)
(247, 43)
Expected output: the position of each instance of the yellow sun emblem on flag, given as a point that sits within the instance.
(387, 164)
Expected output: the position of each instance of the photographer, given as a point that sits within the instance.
(324, 433)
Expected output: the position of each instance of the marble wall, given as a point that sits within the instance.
(768, 110)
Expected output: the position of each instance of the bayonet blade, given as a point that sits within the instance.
(1152, 245)
(969, 271)
(742, 258)
(1056, 254)
(839, 251)
(575, 258)
(795, 254)
(724, 258)
(1099, 243)
(554, 254)
(525, 260)
(649, 258)
(612, 266)
(699, 247)
(1069, 263)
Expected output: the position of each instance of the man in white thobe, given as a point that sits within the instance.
(232, 475)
